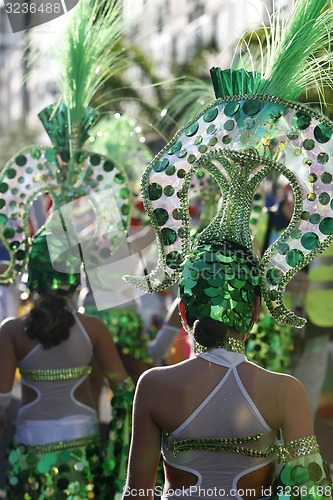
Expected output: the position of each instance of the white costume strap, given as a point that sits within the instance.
(223, 357)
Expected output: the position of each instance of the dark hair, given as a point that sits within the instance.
(49, 321)
(209, 333)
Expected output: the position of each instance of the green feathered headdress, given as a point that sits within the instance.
(254, 127)
(91, 53)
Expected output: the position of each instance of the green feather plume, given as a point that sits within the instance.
(292, 53)
(297, 52)
(91, 54)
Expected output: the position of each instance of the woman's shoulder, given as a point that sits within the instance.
(162, 378)
(275, 380)
(11, 325)
(91, 323)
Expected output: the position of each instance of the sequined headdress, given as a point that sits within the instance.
(89, 56)
(254, 127)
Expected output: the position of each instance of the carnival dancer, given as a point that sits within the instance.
(57, 448)
(77, 180)
(218, 415)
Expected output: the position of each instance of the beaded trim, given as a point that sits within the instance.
(123, 386)
(230, 344)
(56, 374)
(63, 445)
(298, 448)
(226, 445)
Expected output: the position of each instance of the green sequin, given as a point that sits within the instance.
(322, 133)
(42, 470)
(192, 129)
(310, 241)
(301, 121)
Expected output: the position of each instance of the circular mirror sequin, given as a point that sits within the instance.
(210, 115)
(169, 190)
(315, 472)
(308, 144)
(172, 150)
(311, 196)
(326, 177)
(154, 191)
(305, 215)
(95, 160)
(251, 108)
(274, 275)
(322, 158)
(310, 241)
(198, 140)
(283, 248)
(301, 121)
(315, 218)
(108, 166)
(213, 141)
(192, 129)
(177, 214)
(170, 170)
(322, 133)
(169, 236)
(326, 226)
(231, 108)
(211, 129)
(294, 257)
(229, 125)
(21, 160)
(161, 216)
(324, 198)
(3, 219)
(173, 259)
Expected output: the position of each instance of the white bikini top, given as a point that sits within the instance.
(54, 374)
(226, 437)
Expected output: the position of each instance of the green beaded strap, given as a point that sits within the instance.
(230, 344)
(123, 386)
(56, 374)
(298, 448)
(224, 445)
(63, 445)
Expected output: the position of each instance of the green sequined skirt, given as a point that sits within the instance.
(127, 330)
(65, 470)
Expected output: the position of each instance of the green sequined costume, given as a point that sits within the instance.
(127, 330)
(56, 471)
(305, 474)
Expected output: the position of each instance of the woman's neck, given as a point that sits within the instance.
(231, 343)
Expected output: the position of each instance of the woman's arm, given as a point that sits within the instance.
(105, 351)
(305, 473)
(145, 447)
(296, 416)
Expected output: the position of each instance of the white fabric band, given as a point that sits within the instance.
(163, 341)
